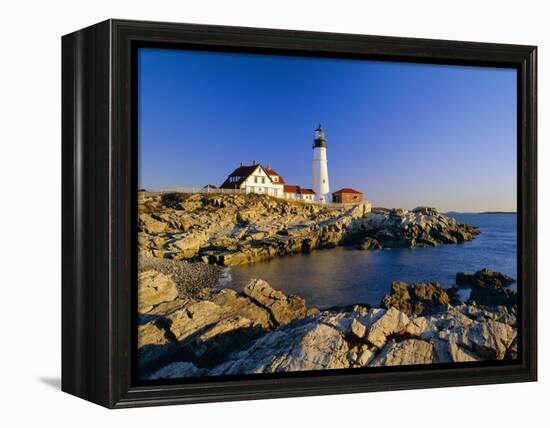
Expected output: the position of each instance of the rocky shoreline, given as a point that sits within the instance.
(235, 229)
(261, 330)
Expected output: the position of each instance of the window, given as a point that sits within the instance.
(255, 179)
(263, 180)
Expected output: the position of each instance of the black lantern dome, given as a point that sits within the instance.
(320, 139)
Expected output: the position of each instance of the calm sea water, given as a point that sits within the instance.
(343, 276)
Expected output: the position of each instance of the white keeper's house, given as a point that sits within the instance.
(256, 178)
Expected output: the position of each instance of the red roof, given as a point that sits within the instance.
(346, 190)
(271, 171)
(291, 189)
(297, 189)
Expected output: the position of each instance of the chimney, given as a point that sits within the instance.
(242, 163)
(254, 162)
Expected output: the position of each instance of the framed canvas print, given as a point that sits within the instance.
(253, 213)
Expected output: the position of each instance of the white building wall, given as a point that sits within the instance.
(320, 175)
(259, 182)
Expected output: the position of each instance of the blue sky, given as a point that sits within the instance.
(404, 134)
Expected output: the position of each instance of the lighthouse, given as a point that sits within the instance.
(320, 168)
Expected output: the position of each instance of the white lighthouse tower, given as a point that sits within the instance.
(320, 168)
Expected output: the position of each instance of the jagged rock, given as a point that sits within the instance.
(398, 298)
(415, 299)
(150, 225)
(369, 244)
(243, 306)
(194, 317)
(493, 296)
(484, 277)
(302, 345)
(358, 329)
(392, 322)
(421, 327)
(234, 229)
(407, 352)
(512, 351)
(398, 228)
(178, 370)
(448, 351)
(151, 334)
(282, 309)
(364, 356)
(490, 339)
(154, 288)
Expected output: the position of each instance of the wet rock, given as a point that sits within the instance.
(482, 278)
(369, 244)
(493, 296)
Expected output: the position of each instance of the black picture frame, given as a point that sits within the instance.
(99, 210)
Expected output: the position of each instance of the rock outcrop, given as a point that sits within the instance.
(484, 277)
(235, 229)
(399, 228)
(416, 299)
(488, 288)
(261, 330)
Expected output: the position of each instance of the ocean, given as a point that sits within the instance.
(343, 276)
